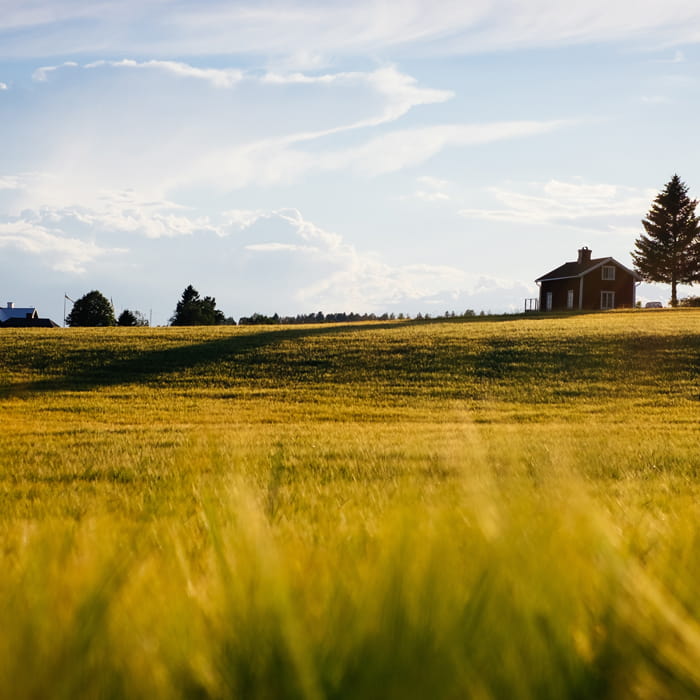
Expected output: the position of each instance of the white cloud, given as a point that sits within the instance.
(408, 147)
(309, 268)
(4, 86)
(590, 207)
(41, 75)
(400, 90)
(59, 251)
(431, 189)
(218, 77)
(127, 212)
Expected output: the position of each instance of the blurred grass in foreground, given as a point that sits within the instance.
(487, 509)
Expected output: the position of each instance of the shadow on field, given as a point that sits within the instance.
(107, 368)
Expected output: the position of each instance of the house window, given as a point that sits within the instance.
(608, 272)
(570, 299)
(607, 300)
(548, 301)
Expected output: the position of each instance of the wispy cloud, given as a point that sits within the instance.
(430, 189)
(218, 77)
(408, 147)
(402, 91)
(41, 75)
(282, 161)
(309, 28)
(4, 86)
(591, 207)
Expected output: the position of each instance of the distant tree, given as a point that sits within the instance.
(260, 320)
(126, 318)
(131, 318)
(93, 309)
(192, 310)
(669, 251)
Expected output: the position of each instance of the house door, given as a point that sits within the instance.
(548, 301)
(607, 300)
(570, 299)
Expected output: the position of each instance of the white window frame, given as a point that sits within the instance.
(607, 297)
(570, 299)
(608, 273)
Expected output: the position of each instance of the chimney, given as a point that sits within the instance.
(10, 304)
(584, 255)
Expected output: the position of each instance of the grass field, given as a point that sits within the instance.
(484, 508)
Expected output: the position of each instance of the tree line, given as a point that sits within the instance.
(341, 317)
(94, 309)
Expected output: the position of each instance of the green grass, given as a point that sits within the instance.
(499, 508)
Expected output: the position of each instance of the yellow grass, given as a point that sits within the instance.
(482, 508)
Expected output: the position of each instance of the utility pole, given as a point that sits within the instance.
(65, 296)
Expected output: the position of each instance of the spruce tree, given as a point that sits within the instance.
(669, 251)
(192, 310)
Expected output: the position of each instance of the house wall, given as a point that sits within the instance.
(559, 290)
(593, 285)
(622, 285)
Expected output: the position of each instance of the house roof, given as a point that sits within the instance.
(576, 269)
(6, 313)
(29, 323)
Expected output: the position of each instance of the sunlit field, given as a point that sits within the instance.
(486, 508)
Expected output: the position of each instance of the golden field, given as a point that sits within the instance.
(491, 508)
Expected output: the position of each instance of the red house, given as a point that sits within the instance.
(589, 283)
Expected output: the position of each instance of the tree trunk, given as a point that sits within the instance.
(674, 297)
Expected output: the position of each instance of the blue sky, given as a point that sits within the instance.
(294, 156)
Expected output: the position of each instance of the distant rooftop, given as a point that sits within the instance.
(12, 311)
